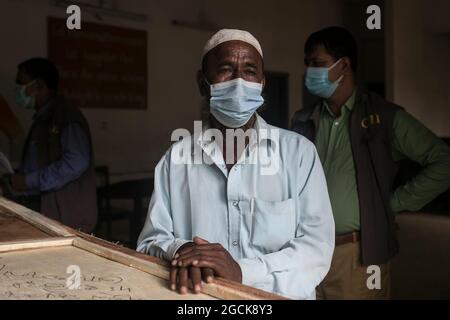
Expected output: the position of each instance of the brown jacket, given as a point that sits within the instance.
(75, 204)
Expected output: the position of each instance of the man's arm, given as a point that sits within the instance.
(414, 141)
(74, 162)
(157, 237)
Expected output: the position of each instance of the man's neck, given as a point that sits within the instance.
(338, 100)
(42, 103)
(237, 153)
(217, 125)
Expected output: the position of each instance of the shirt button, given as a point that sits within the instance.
(235, 243)
(336, 123)
(235, 203)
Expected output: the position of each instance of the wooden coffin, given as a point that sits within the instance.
(42, 259)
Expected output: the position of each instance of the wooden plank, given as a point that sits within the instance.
(13, 228)
(35, 244)
(52, 273)
(123, 258)
(221, 289)
(39, 221)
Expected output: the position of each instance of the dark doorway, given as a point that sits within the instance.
(371, 44)
(276, 108)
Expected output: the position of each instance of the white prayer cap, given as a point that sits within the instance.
(225, 35)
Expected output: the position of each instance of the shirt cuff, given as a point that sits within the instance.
(254, 271)
(32, 181)
(173, 248)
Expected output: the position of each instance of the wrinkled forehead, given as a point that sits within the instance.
(234, 50)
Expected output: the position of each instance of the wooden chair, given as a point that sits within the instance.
(135, 190)
(103, 201)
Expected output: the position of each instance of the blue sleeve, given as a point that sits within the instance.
(74, 162)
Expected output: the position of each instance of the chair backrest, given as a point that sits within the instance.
(103, 200)
(102, 174)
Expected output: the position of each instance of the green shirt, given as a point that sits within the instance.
(411, 140)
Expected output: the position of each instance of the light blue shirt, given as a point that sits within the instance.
(278, 227)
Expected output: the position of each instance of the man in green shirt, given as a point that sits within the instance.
(360, 137)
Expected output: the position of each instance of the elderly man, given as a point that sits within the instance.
(225, 217)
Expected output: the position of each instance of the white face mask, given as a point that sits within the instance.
(234, 102)
(22, 99)
(317, 83)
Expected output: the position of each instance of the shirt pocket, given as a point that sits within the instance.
(274, 223)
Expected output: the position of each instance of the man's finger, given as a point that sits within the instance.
(196, 277)
(208, 248)
(213, 264)
(192, 258)
(183, 280)
(198, 240)
(207, 275)
(205, 247)
(185, 247)
(210, 262)
(173, 278)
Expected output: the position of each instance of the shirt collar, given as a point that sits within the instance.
(349, 104)
(255, 139)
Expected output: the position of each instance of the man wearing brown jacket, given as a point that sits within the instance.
(57, 173)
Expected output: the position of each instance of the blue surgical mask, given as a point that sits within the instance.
(317, 83)
(22, 99)
(234, 102)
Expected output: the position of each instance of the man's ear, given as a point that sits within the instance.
(202, 85)
(40, 85)
(347, 65)
(35, 88)
(263, 83)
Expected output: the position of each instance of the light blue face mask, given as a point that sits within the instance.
(234, 102)
(22, 99)
(318, 84)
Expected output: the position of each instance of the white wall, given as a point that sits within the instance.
(133, 141)
(419, 62)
